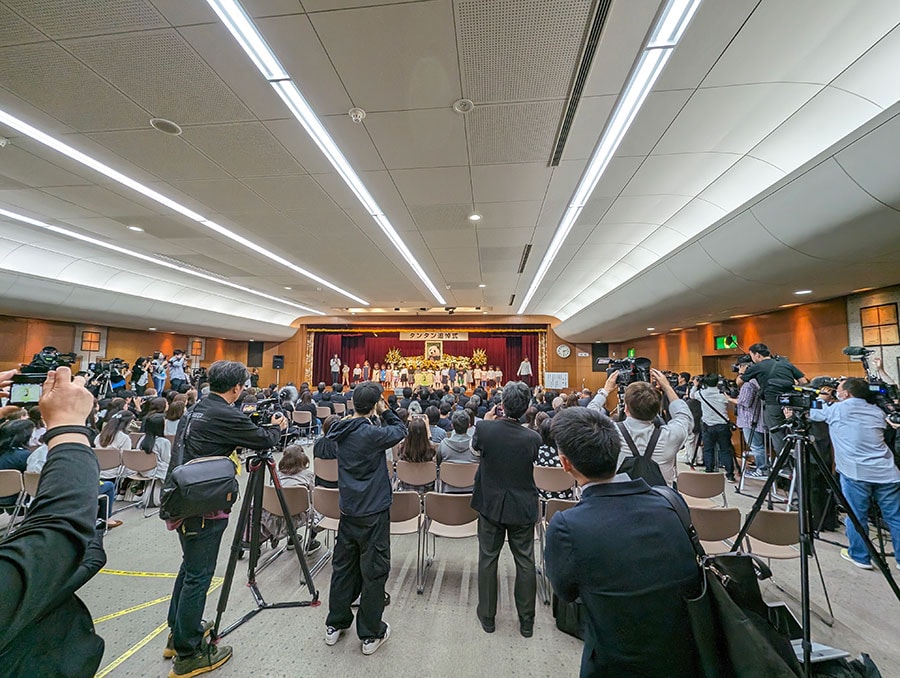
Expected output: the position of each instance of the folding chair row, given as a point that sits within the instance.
(129, 465)
(772, 534)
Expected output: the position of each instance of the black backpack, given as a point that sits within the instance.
(641, 465)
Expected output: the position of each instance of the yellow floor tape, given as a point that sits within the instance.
(216, 583)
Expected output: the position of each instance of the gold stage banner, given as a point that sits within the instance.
(440, 336)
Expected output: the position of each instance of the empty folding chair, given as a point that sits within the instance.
(446, 515)
(457, 477)
(406, 512)
(327, 502)
(715, 525)
(698, 488)
(11, 486)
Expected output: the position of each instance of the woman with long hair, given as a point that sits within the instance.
(173, 416)
(293, 471)
(154, 441)
(140, 376)
(547, 454)
(115, 434)
(417, 448)
(114, 406)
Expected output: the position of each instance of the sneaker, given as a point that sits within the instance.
(845, 554)
(169, 652)
(332, 635)
(313, 546)
(369, 646)
(761, 474)
(207, 659)
(730, 479)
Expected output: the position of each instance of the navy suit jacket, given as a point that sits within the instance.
(625, 553)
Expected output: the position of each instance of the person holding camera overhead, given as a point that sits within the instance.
(212, 428)
(642, 420)
(177, 375)
(158, 371)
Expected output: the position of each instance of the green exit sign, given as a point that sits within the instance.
(631, 353)
(728, 341)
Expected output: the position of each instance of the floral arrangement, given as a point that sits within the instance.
(394, 357)
(479, 357)
(420, 362)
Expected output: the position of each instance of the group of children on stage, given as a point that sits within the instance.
(391, 378)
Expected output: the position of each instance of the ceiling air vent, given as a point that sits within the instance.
(524, 260)
(584, 68)
(512, 299)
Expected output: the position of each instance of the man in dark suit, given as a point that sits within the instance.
(507, 503)
(625, 553)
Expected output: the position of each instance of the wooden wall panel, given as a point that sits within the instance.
(21, 338)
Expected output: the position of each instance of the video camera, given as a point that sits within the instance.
(671, 377)
(743, 360)
(198, 375)
(48, 359)
(630, 370)
(801, 399)
(261, 412)
(884, 395)
(102, 367)
(728, 386)
(28, 386)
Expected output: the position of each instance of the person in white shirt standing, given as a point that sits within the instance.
(716, 425)
(524, 372)
(865, 463)
(335, 363)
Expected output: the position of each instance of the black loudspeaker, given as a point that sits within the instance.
(277, 362)
(599, 357)
(254, 353)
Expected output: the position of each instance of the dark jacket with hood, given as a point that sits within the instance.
(363, 482)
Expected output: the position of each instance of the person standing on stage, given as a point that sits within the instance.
(366, 371)
(524, 371)
(335, 369)
(357, 374)
(477, 376)
(345, 375)
(389, 377)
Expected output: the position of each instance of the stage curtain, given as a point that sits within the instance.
(504, 350)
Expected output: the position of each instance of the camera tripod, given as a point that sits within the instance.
(250, 516)
(798, 446)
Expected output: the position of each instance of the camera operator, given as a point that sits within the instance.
(865, 463)
(642, 407)
(177, 375)
(158, 371)
(213, 427)
(47, 630)
(774, 376)
(716, 425)
(824, 511)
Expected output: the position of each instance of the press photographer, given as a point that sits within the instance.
(212, 428)
(642, 429)
(775, 375)
(716, 425)
(177, 371)
(864, 461)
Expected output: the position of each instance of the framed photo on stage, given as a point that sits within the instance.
(434, 350)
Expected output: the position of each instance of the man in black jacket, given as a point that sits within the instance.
(625, 553)
(47, 630)
(506, 499)
(213, 427)
(362, 554)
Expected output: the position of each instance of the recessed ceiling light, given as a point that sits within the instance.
(136, 229)
(788, 305)
(482, 285)
(287, 288)
(676, 329)
(484, 312)
(705, 323)
(166, 126)
(252, 340)
(650, 329)
(799, 292)
(474, 216)
(740, 315)
(152, 329)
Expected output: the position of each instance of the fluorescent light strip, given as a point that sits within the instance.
(143, 257)
(96, 165)
(669, 28)
(241, 26)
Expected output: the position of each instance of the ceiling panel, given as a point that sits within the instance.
(244, 149)
(299, 144)
(733, 119)
(509, 133)
(684, 173)
(14, 30)
(291, 193)
(51, 79)
(300, 51)
(590, 119)
(393, 56)
(447, 218)
(21, 166)
(43, 205)
(512, 50)
(794, 34)
(434, 186)
(100, 200)
(159, 71)
(222, 195)
(169, 158)
(422, 138)
(872, 163)
(647, 209)
(71, 18)
(509, 183)
(743, 180)
(866, 78)
(523, 214)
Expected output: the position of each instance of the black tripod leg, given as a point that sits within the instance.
(780, 461)
(875, 555)
(292, 533)
(236, 547)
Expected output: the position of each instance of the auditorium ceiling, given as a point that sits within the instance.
(761, 163)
